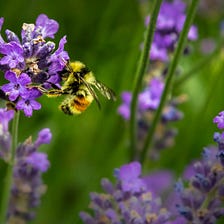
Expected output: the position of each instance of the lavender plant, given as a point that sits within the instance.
(28, 164)
(200, 199)
(26, 63)
(31, 61)
(169, 24)
(135, 198)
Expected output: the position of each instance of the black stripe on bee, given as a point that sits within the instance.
(83, 71)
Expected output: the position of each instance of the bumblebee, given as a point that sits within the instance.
(79, 84)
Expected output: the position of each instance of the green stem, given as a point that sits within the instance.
(9, 174)
(144, 59)
(204, 62)
(211, 194)
(177, 54)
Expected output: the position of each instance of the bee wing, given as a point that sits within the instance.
(105, 91)
(91, 90)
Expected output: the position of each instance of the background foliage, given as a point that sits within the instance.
(106, 35)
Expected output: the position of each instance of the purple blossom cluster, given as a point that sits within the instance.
(5, 137)
(130, 200)
(29, 164)
(31, 61)
(169, 25)
(197, 199)
(201, 198)
(148, 102)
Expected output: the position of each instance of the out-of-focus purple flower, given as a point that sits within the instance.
(207, 45)
(158, 182)
(148, 102)
(44, 137)
(31, 58)
(157, 53)
(5, 137)
(27, 183)
(169, 25)
(124, 109)
(171, 113)
(219, 120)
(38, 160)
(201, 200)
(120, 205)
(5, 117)
(150, 97)
(219, 138)
(129, 177)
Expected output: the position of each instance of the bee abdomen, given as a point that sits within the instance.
(65, 108)
(80, 104)
(75, 105)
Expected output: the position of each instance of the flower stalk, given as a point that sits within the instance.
(171, 71)
(144, 59)
(204, 62)
(9, 174)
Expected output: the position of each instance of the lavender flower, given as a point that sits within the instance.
(169, 25)
(5, 137)
(128, 175)
(219, 120)
(148, 102)
(128, 201)
(27, 185)
(148, 99)
(17, 85)
(201, 200)
(31, 61)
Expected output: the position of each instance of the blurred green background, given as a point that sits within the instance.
(106, 35)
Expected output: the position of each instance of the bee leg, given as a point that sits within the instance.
(54, 92)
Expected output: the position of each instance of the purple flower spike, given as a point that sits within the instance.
(33, 59)
(39, 161)
(150, 98)
(219, 120)
(129, 177)
(169, 25)
(129, 204)
(48, 26)
(5, 117)
(17, 85)
(158, 182)
(124, 109)
(27, 185)
(44, 137)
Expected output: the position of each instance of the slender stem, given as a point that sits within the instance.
(204, 62)
(177, 54)
(144, 59)
(9, 174)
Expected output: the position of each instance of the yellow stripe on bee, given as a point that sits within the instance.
(77, 66)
